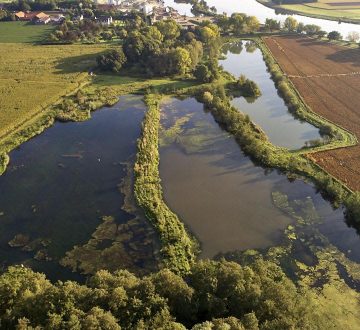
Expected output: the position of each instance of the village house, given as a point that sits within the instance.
(36, 17)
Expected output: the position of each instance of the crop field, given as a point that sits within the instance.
(347, 9)
(32, 77)
(328, 78)
(13, 32)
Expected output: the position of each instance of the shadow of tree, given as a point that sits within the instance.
(77, 64)
(346, 56)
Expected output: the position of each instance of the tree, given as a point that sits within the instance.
(195, 49)
(300, 28)
(202, 73)
(169, 29)
(272, 25)
(334, 35)
(112, 61)
(290, 24)
(237, 22)
(252, 24)
(353, 36)
(181, 59)
(312, 29)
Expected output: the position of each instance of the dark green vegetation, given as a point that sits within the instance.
(162, 49)
(221, 294)
(18, 32)
(178, 248)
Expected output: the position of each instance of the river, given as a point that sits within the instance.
(253, 8)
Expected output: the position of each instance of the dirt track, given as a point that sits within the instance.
(327, 76)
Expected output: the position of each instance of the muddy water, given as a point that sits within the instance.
(60, 184)
(269, 110)
(223, 198)
(214, 188)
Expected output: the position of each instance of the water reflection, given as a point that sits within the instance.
(269, 110)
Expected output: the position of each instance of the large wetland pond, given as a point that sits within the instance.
(67, 206)
(227, 201)
(60, 185)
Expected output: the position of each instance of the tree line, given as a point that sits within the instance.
(213, 295)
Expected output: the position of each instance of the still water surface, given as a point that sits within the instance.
(223, 198)
(60, 183)
(269, 110)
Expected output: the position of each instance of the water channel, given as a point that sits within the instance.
(269, 110)
(253, 8)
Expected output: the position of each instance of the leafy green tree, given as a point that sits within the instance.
(196, 52)
(312, 29)
(112, 61)
(252, 24)
(334, 35)
(169, 29)
(272, 25)
(290, 24)
(181, 60)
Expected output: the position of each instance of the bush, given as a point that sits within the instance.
(112, 61)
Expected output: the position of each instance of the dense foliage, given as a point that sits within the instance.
(163, 49)
(215, 295)
(238, 24)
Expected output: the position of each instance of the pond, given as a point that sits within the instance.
(227, 201)
(269, 110)
(61, 183)
(254, 8)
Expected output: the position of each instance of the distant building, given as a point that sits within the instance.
(42, 20)
(36, 17)
(57, 19)
(105, 20)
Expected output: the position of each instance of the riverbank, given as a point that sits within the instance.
(307, 11)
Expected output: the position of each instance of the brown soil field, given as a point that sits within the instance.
(340, 4)
(328, 78)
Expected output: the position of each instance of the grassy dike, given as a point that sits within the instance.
(179, 249)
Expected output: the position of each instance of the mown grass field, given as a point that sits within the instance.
(33, 77)
(329, 8)
(24, 32)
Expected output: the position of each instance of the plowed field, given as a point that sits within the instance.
(328, 78)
